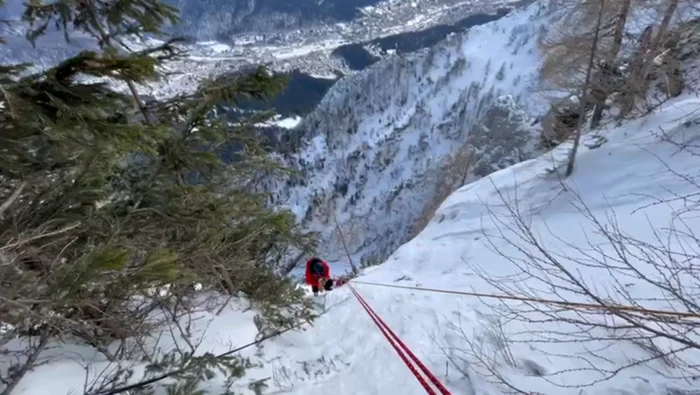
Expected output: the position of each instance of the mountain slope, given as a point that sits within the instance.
(469, 240)
(379, 134)
(638, 179)
(344, 351)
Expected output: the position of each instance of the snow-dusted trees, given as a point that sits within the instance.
(638, 41)
(655, 43)
(635, 271)
(501, 74)
(567, 44)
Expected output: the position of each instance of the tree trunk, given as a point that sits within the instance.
(292, 264)
(660, 38)
(597, 114)
(610, 59)
(619, 30)
(629, 94)
(639, 83)
(584, 98)
(674, 77)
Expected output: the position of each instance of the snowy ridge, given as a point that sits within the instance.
(378, 133)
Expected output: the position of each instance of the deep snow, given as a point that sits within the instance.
(344, 353)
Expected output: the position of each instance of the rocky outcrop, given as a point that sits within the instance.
(503, 137)
(560, 121)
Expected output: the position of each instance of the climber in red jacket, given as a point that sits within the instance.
(318, 274)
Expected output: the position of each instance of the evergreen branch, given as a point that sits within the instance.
(258, 85)
(152, 202)
(130, 68)
(145, 383)
(40, 236)
(167, 50)
(7, 203)
(8, 72)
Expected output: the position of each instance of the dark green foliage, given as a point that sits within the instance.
(136, 187)
(369, 262)
(101, 18)
(501, 74)
(102, 200)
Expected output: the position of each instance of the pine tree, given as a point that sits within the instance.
(104, 197)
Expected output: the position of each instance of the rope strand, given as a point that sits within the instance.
(620, 308)
(402, 349)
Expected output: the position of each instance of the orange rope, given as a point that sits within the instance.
(613, 308)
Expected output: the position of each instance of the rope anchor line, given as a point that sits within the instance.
(581, 305)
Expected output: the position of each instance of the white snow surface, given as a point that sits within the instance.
(286, 123)
(343, 351)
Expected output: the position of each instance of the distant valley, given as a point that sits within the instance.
(305, 91)
(220, 19)
(313, 42)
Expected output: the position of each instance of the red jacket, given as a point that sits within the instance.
(311, 278)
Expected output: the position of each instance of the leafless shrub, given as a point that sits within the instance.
(486, 354)
(633, 73)
(612, 268)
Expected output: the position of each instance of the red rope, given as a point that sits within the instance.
(391, 341)
(402, 349)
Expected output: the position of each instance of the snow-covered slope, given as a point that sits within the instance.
(369, 148)
(624, 170)
(631, 170)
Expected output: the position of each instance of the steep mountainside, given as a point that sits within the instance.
(622, 230)
(464, 341)
(370, 150)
